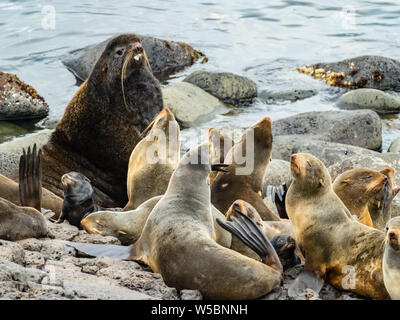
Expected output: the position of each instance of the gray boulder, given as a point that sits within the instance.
(361, 128)
(395, 145)
(165, 57)
(328, 152)
(288, 95)
(9, 163)
(190, 104)
(360, 72)
(228, 87)
(373, 99)
(19, 100)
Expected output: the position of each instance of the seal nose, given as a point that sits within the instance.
(137, 47)
(392, 235)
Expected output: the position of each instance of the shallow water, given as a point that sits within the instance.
(263, 40)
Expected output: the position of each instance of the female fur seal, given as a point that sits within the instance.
(238, 182)
(102, 123)
(177, 240)
(367, 194)
(391, 258)
(337, 248)
(153, 160)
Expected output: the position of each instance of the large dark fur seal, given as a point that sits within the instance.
(103, 121)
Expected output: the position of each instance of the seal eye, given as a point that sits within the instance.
(309, 165)
(120, 52)
(367, 179)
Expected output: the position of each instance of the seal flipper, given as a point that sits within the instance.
(30, 178)
(251, 235)
(306, 279)
(278, 196)
(98, 250)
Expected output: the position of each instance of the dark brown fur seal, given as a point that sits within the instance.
(102, 123)
(230, 186)
(338, 249)
(367, 194)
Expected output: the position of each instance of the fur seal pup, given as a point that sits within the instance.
(25, 221)
(232, 185)
(338, 249)
(177, 240)
(78, 199)
(391, 258)
(102, 123)
(153, 160)
(367, 194)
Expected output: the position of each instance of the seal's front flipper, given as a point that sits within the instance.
(278, 196)
(306, 279)
(30, 178)
(251, 235)
(99, 250)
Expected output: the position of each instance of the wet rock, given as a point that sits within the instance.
(378, 162)
(360, 72)
(228, 87)
(190, 104)
(9, 163)
(12, 251)
(17, 145)
(328, 152)
(9, 130)
(191, 295)
(288, 95)
(395, 145)
(165, 57)
(361, 128)
(373, 99)
(19, 100)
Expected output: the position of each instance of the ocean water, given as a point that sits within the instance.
(262, 40)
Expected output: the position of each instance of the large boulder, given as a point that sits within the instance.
(165, 57)
(328, 152)
(19, 100)
(378, 161)
(373, 99)
(228, 87)
(360, 72)
(361, 128)
(190, 104)
(287, 95)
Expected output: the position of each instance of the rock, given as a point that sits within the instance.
(360, 72)
(17, 145)
(19, 100)
(373, 99)
(328, 152)
(395, 145)
(228, 87)
(378, 161)
(288, 95)
(191, 295)
(361, 128)
(12, 251)
(9, 163)
(278, 171)
(9, 130)
(307, 294)
(165, 57)
(95, 238)
(62, 231)
(190, 104)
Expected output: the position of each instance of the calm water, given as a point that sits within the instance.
(263, 40)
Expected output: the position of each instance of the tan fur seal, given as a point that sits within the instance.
(391, 258)
(367, 194)
(102, 123)
(127, 226)
(26, 221)
(220, 144)
(232, 185)
(177, 240)
(153, 160)
(338, 249)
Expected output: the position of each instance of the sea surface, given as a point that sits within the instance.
(262, 40)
